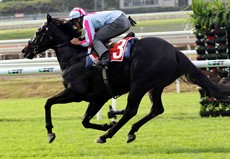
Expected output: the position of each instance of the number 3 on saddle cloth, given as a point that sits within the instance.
(119, 51)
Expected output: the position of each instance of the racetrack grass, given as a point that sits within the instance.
(179, 133)
(17, 33)
(35, 86)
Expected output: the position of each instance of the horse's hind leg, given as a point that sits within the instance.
(66, 96)
(156, 109)
(134, 98)
(91, 111)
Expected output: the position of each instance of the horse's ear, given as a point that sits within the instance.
(49, 18)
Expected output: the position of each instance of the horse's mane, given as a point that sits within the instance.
(59, 21)
(66, 26)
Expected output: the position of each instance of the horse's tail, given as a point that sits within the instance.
(195, 76)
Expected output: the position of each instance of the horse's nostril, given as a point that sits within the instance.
(23, 51)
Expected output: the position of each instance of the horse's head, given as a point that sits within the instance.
(53, 33)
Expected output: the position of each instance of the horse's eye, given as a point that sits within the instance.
(39, 31)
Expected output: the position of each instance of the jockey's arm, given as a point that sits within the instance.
(89, 31)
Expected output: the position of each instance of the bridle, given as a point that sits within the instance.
(42, 32)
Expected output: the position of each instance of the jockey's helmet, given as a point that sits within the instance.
(77, 13)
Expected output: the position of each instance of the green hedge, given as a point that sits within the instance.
(211, 20)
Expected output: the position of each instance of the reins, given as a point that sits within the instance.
(60, 45)
(73, 59)
(76, 57)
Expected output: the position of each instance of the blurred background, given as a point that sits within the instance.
(20, 9)
(20, 19)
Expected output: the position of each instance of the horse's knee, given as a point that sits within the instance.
(85, 124)
(48, 103)
(156, 112)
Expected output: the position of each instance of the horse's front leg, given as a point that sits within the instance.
(66, 96)
(91, 111)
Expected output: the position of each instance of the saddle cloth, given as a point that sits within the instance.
(119, 51)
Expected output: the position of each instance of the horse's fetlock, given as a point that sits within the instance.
(161, 111)
(134, 129)
(49, 126)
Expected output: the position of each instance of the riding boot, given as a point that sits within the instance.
(105, 58)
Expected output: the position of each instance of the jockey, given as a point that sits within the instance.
(98, 28)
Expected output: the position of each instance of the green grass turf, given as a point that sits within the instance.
(179, 133)
(17, 33)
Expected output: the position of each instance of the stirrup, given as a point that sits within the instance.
(99, 65)
(104, 59)
(105, 62)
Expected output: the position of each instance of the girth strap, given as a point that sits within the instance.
(104, 75)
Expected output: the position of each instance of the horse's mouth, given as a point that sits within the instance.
(27, 54)
(23, 51)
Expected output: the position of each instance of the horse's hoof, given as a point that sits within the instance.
(130, 138)
(100, 140)
(51, 137)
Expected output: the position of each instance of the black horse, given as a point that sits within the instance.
(154, 64)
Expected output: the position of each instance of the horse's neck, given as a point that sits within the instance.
(67, 54)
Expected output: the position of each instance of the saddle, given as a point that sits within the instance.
(118, 51)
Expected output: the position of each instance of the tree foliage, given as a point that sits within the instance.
(9, 7)
(25, 6)
(44, 6)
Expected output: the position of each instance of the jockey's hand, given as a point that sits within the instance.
(75, 41)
